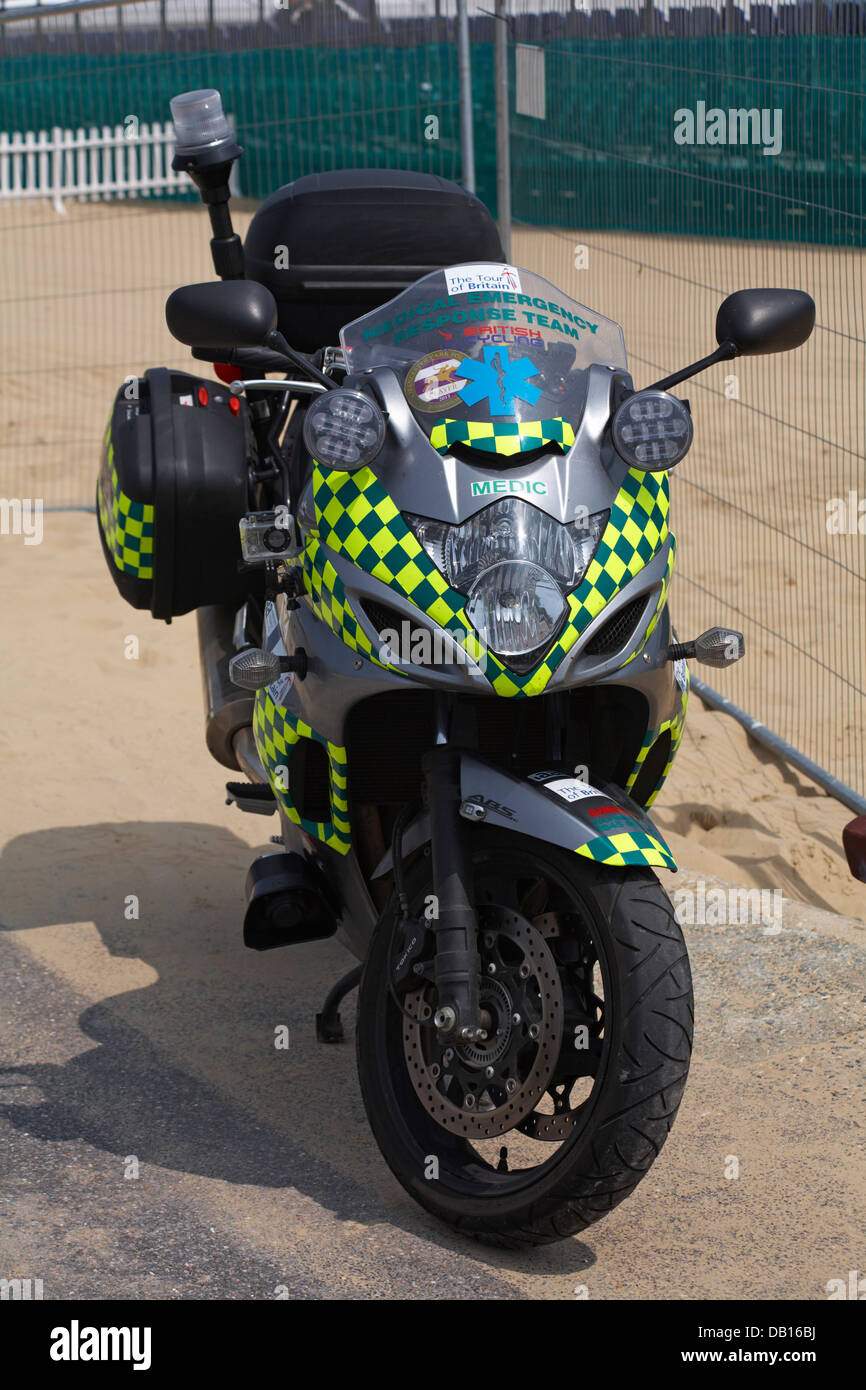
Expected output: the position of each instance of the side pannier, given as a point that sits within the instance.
(171, 492)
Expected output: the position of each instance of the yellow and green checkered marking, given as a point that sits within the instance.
(356, 517)
(329, 602)
(276, 733)
(677, 726)
(359, 519)
(126, 525)
(504, 437)
(628, 848)
(660, 603)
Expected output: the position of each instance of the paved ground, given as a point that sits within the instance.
(147, 1043)
(256, 1169)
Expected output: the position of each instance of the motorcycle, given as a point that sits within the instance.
(431, 565)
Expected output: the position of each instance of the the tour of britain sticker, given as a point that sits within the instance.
(432, 383)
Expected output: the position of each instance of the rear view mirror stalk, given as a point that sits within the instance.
(723, 353)
(751, 323)
(277, 343)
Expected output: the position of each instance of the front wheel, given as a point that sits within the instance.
(586, 999)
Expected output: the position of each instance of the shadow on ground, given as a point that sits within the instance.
(183, 1072)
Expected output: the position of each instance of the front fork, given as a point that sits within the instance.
(457, 964)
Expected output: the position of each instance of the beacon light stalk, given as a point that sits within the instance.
(206, 149)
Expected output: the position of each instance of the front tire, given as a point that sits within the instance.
(623, 975)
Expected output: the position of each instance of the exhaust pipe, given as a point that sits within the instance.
(247, 754)
(285, 904)
(228, 709)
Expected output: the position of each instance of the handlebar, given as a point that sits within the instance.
(258, 359)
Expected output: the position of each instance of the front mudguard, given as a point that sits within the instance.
(600, 822)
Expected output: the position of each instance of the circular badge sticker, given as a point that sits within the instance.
(433, 382)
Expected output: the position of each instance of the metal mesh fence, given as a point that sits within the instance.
(628, 191)
(86, 274)
(639, 153)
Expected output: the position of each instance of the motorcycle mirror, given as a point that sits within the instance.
(241, 313)
(761, 321)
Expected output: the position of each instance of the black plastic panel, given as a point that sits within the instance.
(184, 455)
(355, 238)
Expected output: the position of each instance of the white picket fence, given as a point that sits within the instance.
(124, 161)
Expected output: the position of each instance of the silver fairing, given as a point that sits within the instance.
(422, 481)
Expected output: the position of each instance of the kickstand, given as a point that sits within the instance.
(329, 1025)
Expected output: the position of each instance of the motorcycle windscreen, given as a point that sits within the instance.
(490, 346)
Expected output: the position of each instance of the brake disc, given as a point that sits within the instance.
(551, 1128)
(483, 1089)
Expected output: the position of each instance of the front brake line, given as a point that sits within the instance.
(402, 918)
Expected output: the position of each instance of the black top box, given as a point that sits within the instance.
(332, 247)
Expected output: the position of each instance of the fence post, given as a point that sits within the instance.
(94, 177)
(68, 163)
(57, 168)
(15, 161)
(81, 165)
(118, 146)
(464, 68)
(44, 161)
(107, 163)
(145, 164)
(503, 139)
(29, 159)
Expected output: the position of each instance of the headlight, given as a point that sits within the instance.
(515, 565)
(344, 429)
(652, 430)
(516, 608)
(510, 529)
